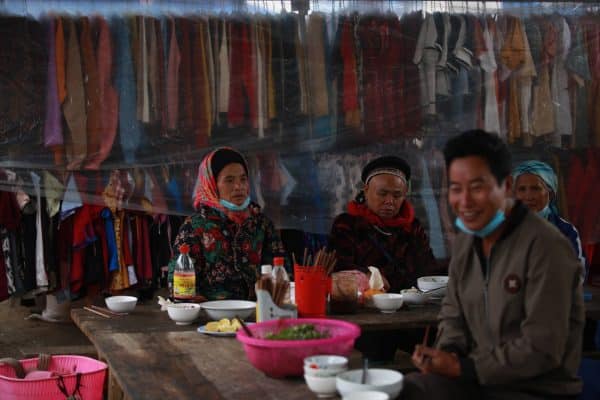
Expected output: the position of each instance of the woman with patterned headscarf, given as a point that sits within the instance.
(535, 184)
(228, 236)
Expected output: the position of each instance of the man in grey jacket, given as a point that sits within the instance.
(511, 323)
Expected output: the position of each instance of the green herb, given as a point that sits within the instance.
(298, 332)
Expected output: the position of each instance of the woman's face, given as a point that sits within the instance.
(232, 184)
(532, 191)
(384, 195)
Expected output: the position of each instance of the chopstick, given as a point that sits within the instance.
(426, 336)
(244, 326)
(97, 312)
(437, 337)
(107, 311)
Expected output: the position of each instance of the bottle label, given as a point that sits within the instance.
(184, 285)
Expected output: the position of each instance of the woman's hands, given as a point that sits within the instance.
(430, 360)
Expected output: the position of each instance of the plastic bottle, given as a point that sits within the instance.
(266, 270)
(184, 276)
(280, 275)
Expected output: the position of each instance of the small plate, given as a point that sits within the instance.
(202, 329)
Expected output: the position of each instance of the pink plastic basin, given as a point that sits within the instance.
(280, 358)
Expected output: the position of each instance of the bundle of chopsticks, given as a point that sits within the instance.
(276, 288)
(103, 312)
(323, 259)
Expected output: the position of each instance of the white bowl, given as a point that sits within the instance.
(383, 380)
(325, 365)
(220, 309)
(387, 302)
(427, 283)
(122, 304)
(367, 395)
(411, 296)
(326, 361)
(183, 313)
(321, 386)
(324, 373)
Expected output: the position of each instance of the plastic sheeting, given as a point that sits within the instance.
(98, 95)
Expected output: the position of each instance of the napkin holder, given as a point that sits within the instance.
(266, 309)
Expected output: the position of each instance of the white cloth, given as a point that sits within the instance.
(560, 84)
(41, 279)
(489, 67)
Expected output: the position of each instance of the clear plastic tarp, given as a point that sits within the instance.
(131, 94)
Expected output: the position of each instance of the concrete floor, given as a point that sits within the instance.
(21, 338)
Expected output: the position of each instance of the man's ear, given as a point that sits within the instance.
(509, 182)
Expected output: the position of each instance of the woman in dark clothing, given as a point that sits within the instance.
(380, 228)
(228, 236)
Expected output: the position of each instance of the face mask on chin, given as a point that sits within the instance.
(234, 207)
(491, 226)
(545, 212)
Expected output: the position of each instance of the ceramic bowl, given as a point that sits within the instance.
(229, 309)
(325, 365)
(326, 362)
(427, 283)
(367, 395)
(124, 304)
(321, 386)
(183, 313)
(413, 296)
(387, 302)
(382, 380)
(323, 373)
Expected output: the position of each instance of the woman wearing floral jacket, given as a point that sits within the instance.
(228, 236)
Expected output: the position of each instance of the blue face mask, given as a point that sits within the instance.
(234, 207)
(545, 212)
(486, 230)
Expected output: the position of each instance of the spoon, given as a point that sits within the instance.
(363, 378)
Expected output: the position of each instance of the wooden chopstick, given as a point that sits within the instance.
(107, 311)
(97, 312)
(244, 326)
(426, 336)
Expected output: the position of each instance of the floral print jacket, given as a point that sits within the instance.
(227, 257)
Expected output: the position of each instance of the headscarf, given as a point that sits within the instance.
(206, 187)
(546, 174)
(384, 165)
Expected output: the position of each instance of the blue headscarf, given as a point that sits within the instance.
(545, 172)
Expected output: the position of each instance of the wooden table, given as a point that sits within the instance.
(150, 357)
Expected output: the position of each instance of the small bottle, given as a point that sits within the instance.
(266, 270)
(184, 276)
(281, 277)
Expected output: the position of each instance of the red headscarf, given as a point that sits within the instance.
(206, 188)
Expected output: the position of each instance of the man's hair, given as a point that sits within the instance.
(482, 144)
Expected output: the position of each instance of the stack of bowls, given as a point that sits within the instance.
(320, 373)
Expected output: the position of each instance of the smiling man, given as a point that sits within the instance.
(511, 323)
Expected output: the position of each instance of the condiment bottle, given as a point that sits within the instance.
(281, 281)
(184, 276)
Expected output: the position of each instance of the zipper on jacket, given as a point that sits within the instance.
(486, 298)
